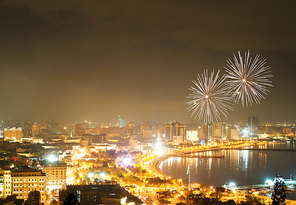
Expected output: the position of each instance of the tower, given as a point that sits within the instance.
(253, 126)
(79, 130)
(36, 129)
(175, 129)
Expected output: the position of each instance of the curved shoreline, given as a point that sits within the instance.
(159, 160)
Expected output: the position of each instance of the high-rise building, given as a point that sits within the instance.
(147, 134)
(79, 130)
(88, 131)
(205, 131)
(158, 130)
(131, 128)
(36, 129)
(253, 126)
(121, 122)
(219, 130)
(175, 129)
(232, 132)
(21, 180)
(146, 131)
(144, 127)
(14, 133)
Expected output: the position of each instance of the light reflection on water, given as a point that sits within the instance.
(244, 167)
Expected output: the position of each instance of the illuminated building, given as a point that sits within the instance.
(88, 131)
(134, 144)
(206, 131)
(79, 130)
(36, 129)
(215, 130)
(102, 147)
(14, 133)
(145, 130)
(175, 129)
(144, 127)
(253, 127)
(191, 135)
(84, 142)
(95, 139)
(219, 130)
(158, 130)
(147, 134)
(131, 128)
(234, 134)
(121, 122)
(288, 131)
(55, 174)
(96, 130)
(113, 131)
(21, 180)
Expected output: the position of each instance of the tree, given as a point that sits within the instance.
(279, 192)
(251, 200)
(53, 202)
(219, 192)
(33, 198)
(71, 199)
(181, 198)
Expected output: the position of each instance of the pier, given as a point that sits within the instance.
(248, 148)
(257, 187)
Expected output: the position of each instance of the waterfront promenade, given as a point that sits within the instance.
(204, 152)
(157, 160)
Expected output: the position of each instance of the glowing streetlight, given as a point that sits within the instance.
(102, 175)
(269, 182)
(52, 158)
(90, 175)
(127, 161)
(232, 186)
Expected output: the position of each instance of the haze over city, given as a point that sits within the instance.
(130, 102)
(95, 60)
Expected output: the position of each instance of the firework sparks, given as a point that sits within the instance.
(210, 97)
(247, 79)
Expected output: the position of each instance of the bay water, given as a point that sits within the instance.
(243, 167)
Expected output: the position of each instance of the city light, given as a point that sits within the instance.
(127, 161)
(52, 158)
(158, 145)
(232, 186)
(159, 152)
(91, 175)
(102, 175)
(269, 182)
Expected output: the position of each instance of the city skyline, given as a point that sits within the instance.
(95, 60)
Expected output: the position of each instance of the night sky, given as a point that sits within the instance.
(95, 60)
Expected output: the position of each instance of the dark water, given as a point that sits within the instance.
(244, 167)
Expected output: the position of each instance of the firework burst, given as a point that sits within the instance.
(210, 97)
(247, 78)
